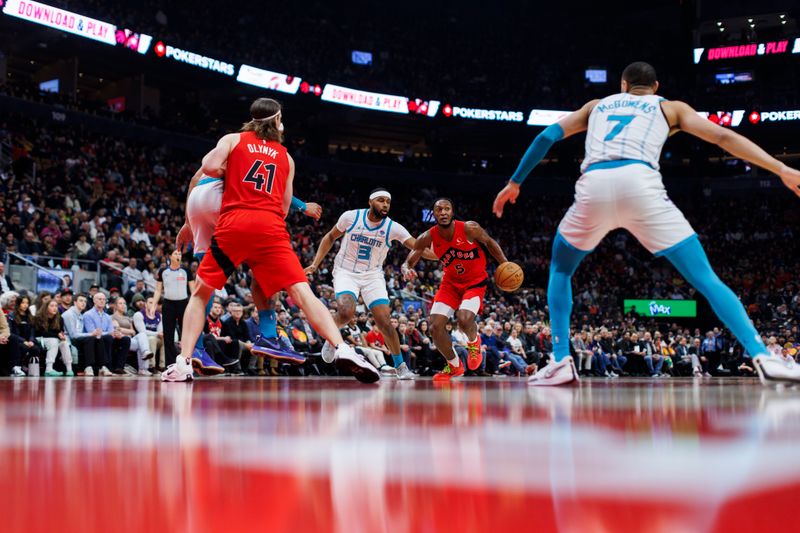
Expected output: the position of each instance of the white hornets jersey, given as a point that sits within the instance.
(364, 246)
(624, 128)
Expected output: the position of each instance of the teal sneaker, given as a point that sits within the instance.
(52, 374)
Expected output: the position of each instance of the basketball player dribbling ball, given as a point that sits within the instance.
(621, 187)
(203, 203)
(457, 245)
(358, 269)
(251, 228)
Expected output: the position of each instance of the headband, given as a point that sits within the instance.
(378, 194)
(266, 118)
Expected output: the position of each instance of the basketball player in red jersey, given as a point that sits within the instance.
(456, 244)
(258, 193)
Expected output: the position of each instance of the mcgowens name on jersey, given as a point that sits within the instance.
(643, 106)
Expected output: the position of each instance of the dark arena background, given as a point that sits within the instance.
(107, 110)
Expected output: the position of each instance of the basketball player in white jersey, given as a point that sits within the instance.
(621, 187)
(204, 198)
(358, 268)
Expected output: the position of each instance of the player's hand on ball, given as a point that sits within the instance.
(310, 269)
(790, 178)
(313, 210)
(509, 193)
(184, 237)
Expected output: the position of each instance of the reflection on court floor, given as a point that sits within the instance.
(292, 454)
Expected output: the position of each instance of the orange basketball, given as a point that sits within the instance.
(509, 277)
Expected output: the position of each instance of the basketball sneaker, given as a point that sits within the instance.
(448, 373)
(181, 370)
(475, 357)
(347, 359)
(405, 373)
(388, 371)
(328, 352)
(204, 364)
(553, 373)
(273, 349)
(773, 369)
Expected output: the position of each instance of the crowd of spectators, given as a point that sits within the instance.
(69, 195)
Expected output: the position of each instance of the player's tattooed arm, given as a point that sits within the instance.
(426, 254)
(423, 243)
(324, 247)
(475, 232)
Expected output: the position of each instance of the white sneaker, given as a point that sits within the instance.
(328, 352)
(347, 359)
(181, 370)
(88, 372)
(17, 372)
(559, 373)
(405, 373)
(388, 371)
(773, 369)
(104, 372)
(144, 372)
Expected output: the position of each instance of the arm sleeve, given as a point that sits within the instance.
(398, 233)
(346, 220)
(298, 204)
(536, 151)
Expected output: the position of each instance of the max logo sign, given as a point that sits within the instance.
(658, 309)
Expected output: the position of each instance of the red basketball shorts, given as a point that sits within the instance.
(255, 238)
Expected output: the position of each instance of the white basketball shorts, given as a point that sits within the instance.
(631, 197)
(370, 285)
(202, 210)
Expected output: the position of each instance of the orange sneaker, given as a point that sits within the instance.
(475, 356)
(449, 372)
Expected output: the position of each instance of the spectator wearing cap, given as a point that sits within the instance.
(64, 300)
(140, 289)
(115, 344)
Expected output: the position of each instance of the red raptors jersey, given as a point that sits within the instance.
(256, 176)
(464, 262)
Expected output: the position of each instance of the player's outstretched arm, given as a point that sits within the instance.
(427, 254)
(324, 247)
(682, 116)
(214, 161)
(475, 232)
(422, 243)
(310, 209)
(575, 122)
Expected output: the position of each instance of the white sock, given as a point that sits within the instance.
(48, 367)
(457, 362)
(69, 367)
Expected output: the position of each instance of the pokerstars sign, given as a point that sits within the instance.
(61, 19)
(196, 60)
(774, 116)
(488, 114)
